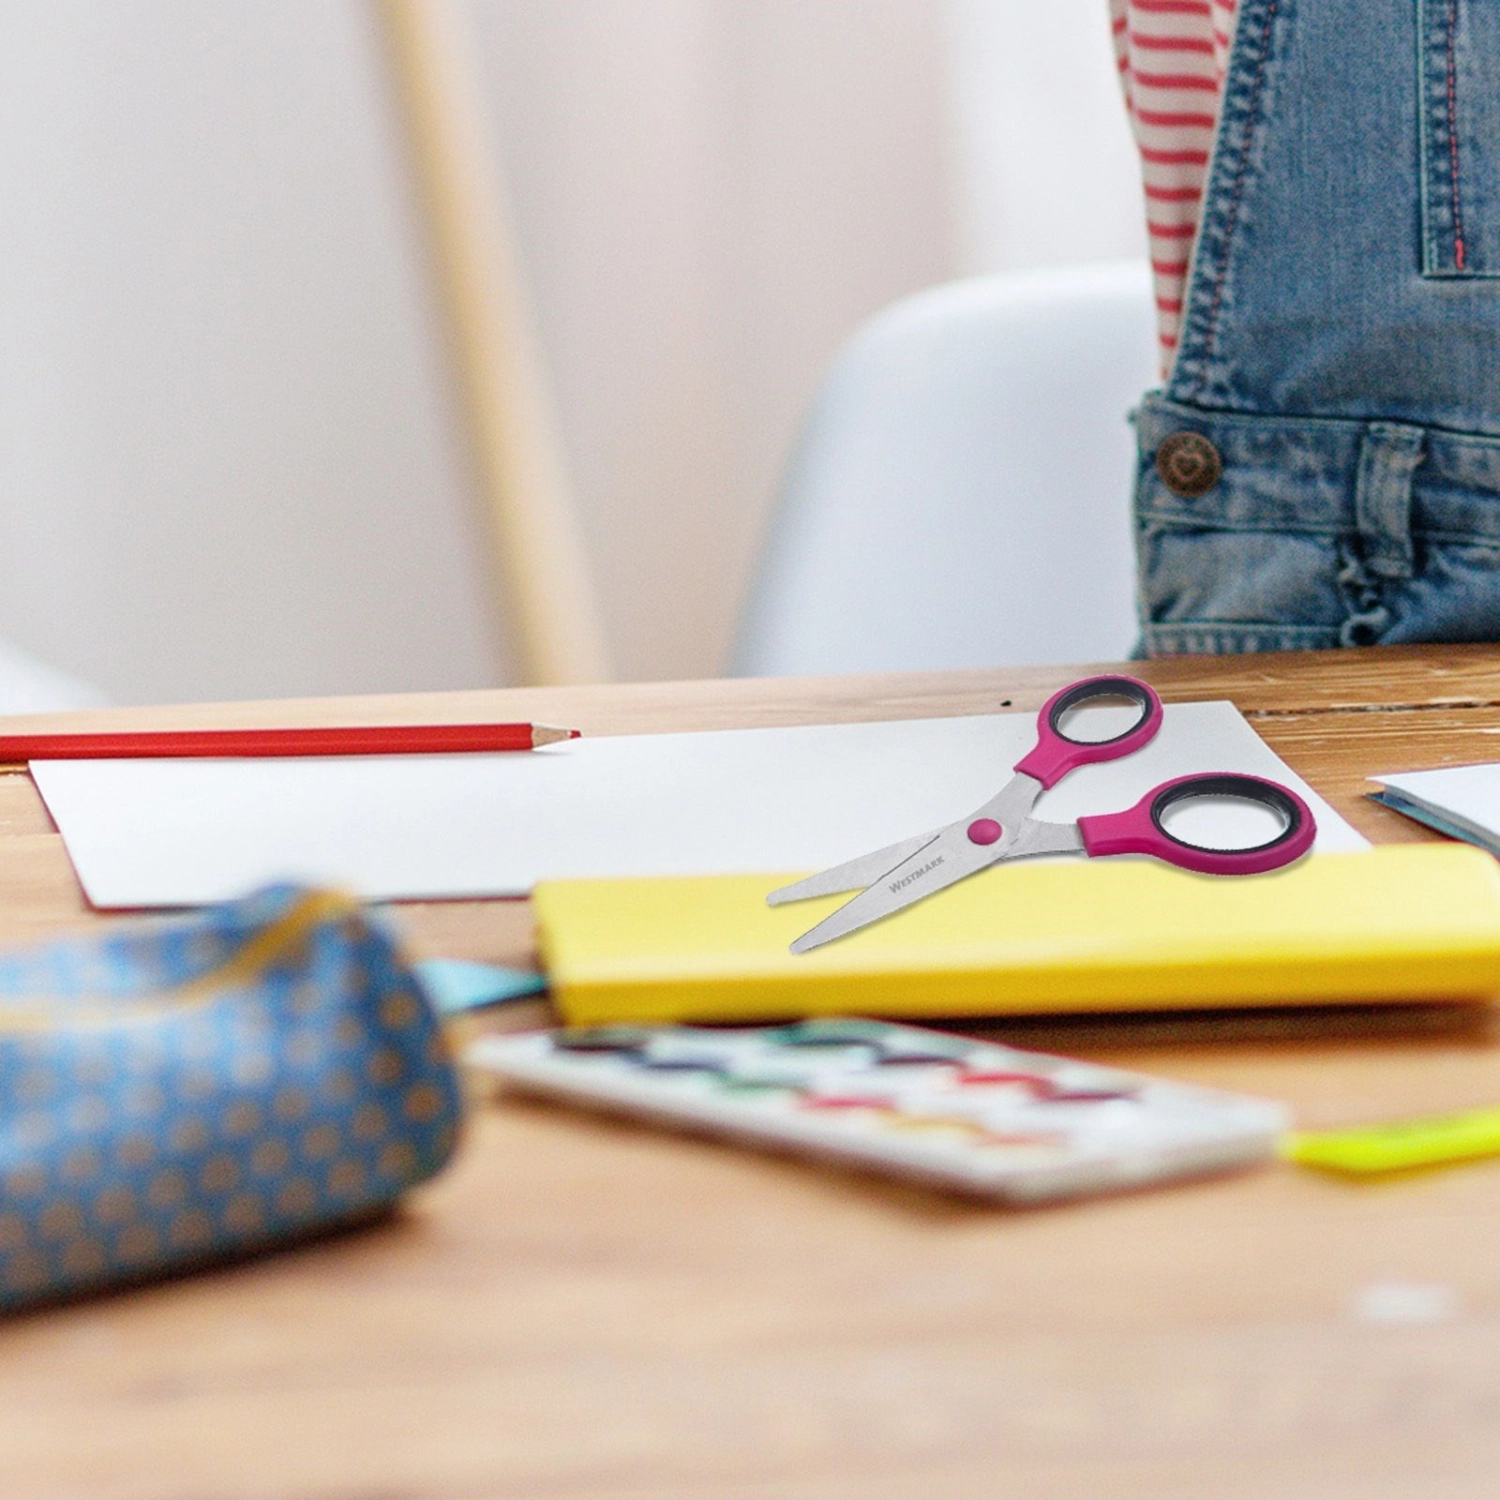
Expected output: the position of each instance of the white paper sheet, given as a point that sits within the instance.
(150, 833)
(1463, 801)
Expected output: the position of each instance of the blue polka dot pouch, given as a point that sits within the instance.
(174, 1093)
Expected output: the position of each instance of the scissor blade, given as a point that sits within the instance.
(853, 874)
(1011, 807)
(942, 862)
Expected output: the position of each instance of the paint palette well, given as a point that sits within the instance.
(972, 1116)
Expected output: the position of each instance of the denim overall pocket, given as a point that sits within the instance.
(1459, 120)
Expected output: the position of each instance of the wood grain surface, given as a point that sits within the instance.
(584, 1308)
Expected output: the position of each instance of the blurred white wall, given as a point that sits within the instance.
(229, 464)
(226, 464)
(710, 194)
(1044, 170)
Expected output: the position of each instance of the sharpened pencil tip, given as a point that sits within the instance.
(550, 734)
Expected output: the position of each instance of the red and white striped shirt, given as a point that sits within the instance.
(1171, 56)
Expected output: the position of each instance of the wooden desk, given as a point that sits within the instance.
(581, 1308)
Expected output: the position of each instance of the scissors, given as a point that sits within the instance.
(1003, 829)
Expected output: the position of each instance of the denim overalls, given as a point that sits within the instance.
(1323, 465)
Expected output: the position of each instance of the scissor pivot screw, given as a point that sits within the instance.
(984, 831)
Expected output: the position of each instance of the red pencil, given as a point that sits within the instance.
(372, 739)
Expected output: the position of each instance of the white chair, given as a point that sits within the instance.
(960, 494)
(29, 686)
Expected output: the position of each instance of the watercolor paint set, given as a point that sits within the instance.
(967, 1115)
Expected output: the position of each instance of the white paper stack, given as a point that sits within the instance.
(152, 833)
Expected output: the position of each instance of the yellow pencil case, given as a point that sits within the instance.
(1404, 922)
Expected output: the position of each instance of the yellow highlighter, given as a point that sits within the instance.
(1400, 1145)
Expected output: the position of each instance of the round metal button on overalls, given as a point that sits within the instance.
(1189, 464)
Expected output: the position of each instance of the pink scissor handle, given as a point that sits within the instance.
(1140, 829)
(1054, 754)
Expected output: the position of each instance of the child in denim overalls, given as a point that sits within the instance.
(1322, 467)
